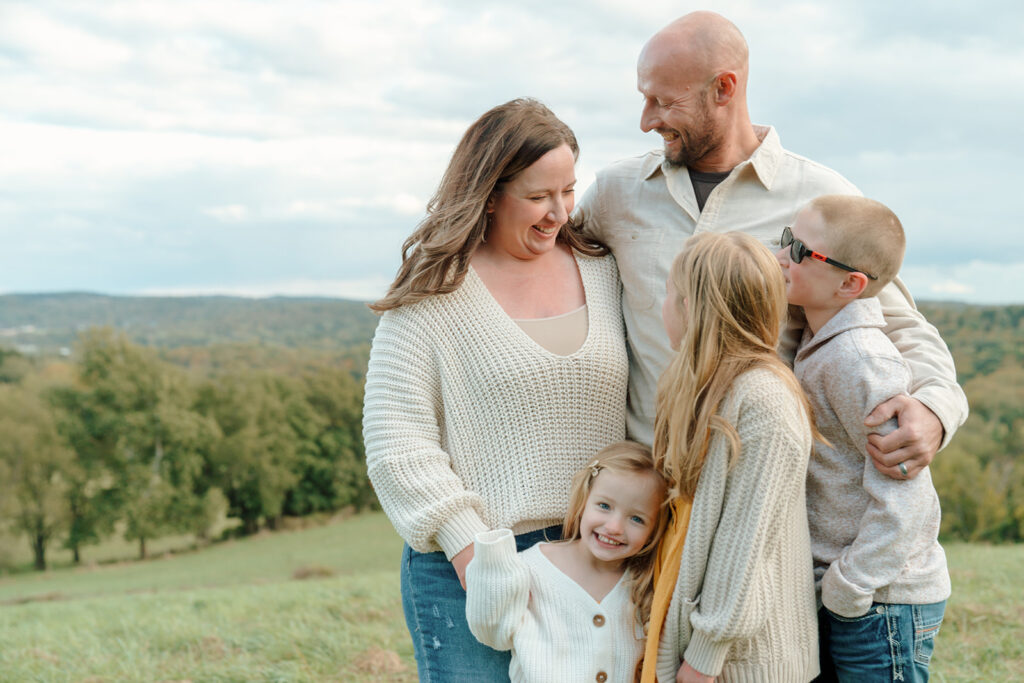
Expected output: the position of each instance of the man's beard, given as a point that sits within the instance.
(693, 148)
(695, 143)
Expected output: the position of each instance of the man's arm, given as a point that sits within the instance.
(936, 406)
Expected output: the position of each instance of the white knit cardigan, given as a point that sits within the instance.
(743, 607)
(470, 425)
(557, 631)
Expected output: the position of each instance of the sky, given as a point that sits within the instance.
(263, 148)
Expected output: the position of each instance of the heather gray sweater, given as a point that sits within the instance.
(873, 538)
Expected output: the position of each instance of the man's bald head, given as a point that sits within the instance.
(693, 76)
(703, 43)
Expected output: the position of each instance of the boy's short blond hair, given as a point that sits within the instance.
(863, 233)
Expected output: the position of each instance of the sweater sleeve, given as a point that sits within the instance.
(497, 589)
(410, 472)
(931, 364)
(769, 474)
(896, 513)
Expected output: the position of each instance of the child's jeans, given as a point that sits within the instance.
(435, 611)
(889, 643)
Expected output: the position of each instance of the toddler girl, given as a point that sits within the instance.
(576, 610)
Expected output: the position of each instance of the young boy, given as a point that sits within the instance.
(879, 568)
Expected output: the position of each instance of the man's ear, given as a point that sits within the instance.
(853, 286)
(725, 87)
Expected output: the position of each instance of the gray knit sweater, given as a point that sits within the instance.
(873, 538)
(743, 605)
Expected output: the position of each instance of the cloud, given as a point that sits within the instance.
(232, 213)
(176, 143)
(367, 289)
(950, 287)
(985, 282)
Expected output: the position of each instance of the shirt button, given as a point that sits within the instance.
(598, 620)
(601, 677)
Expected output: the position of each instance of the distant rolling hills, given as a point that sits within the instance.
(48, 324)
(981, 337)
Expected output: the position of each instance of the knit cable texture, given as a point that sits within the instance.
(469, 425)
(744, 606)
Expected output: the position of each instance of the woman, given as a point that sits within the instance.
(497, 370)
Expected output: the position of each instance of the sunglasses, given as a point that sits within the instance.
(798, 250)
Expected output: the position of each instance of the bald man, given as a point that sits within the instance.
(719, 172)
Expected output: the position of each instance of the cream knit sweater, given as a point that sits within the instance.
(743, 607)
(469, 425)
(556, 630)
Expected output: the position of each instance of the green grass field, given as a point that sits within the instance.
(235, 612)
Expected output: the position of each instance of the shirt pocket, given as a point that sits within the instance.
(636, 251)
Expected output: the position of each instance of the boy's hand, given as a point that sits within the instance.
(914, 444)
(687, 674)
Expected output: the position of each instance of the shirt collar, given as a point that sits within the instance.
(765, 160)
(652, 164)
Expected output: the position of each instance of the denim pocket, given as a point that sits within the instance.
(863, 648)
(876, 611)
(927, 620)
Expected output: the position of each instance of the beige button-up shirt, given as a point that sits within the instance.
(644, 209)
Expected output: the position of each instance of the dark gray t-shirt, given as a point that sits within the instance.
(704, 183)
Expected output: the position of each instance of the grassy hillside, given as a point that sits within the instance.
(237, 611)
(314, 605)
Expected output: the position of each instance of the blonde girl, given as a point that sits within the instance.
(576, 610)
(734, 591)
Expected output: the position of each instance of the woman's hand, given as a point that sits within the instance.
(914, 444)
(687, 674)
(460, 560)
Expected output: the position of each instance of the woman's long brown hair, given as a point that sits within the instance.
(499, 146)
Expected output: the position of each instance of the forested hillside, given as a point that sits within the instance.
(146, 417)
(46, 322)
(980, 475)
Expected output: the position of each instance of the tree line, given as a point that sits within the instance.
(980, 475)
(121, 440)
(146, 442)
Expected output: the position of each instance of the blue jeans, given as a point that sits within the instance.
(435, 613)
(889, 643)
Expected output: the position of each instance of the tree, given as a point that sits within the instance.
(35, 464)
(333, 472)
(254, 462)
(141, 444)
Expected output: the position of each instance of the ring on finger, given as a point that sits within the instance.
(903, 469)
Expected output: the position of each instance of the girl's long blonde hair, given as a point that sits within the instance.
(500, 145)
(731, 297)
(623, 456)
